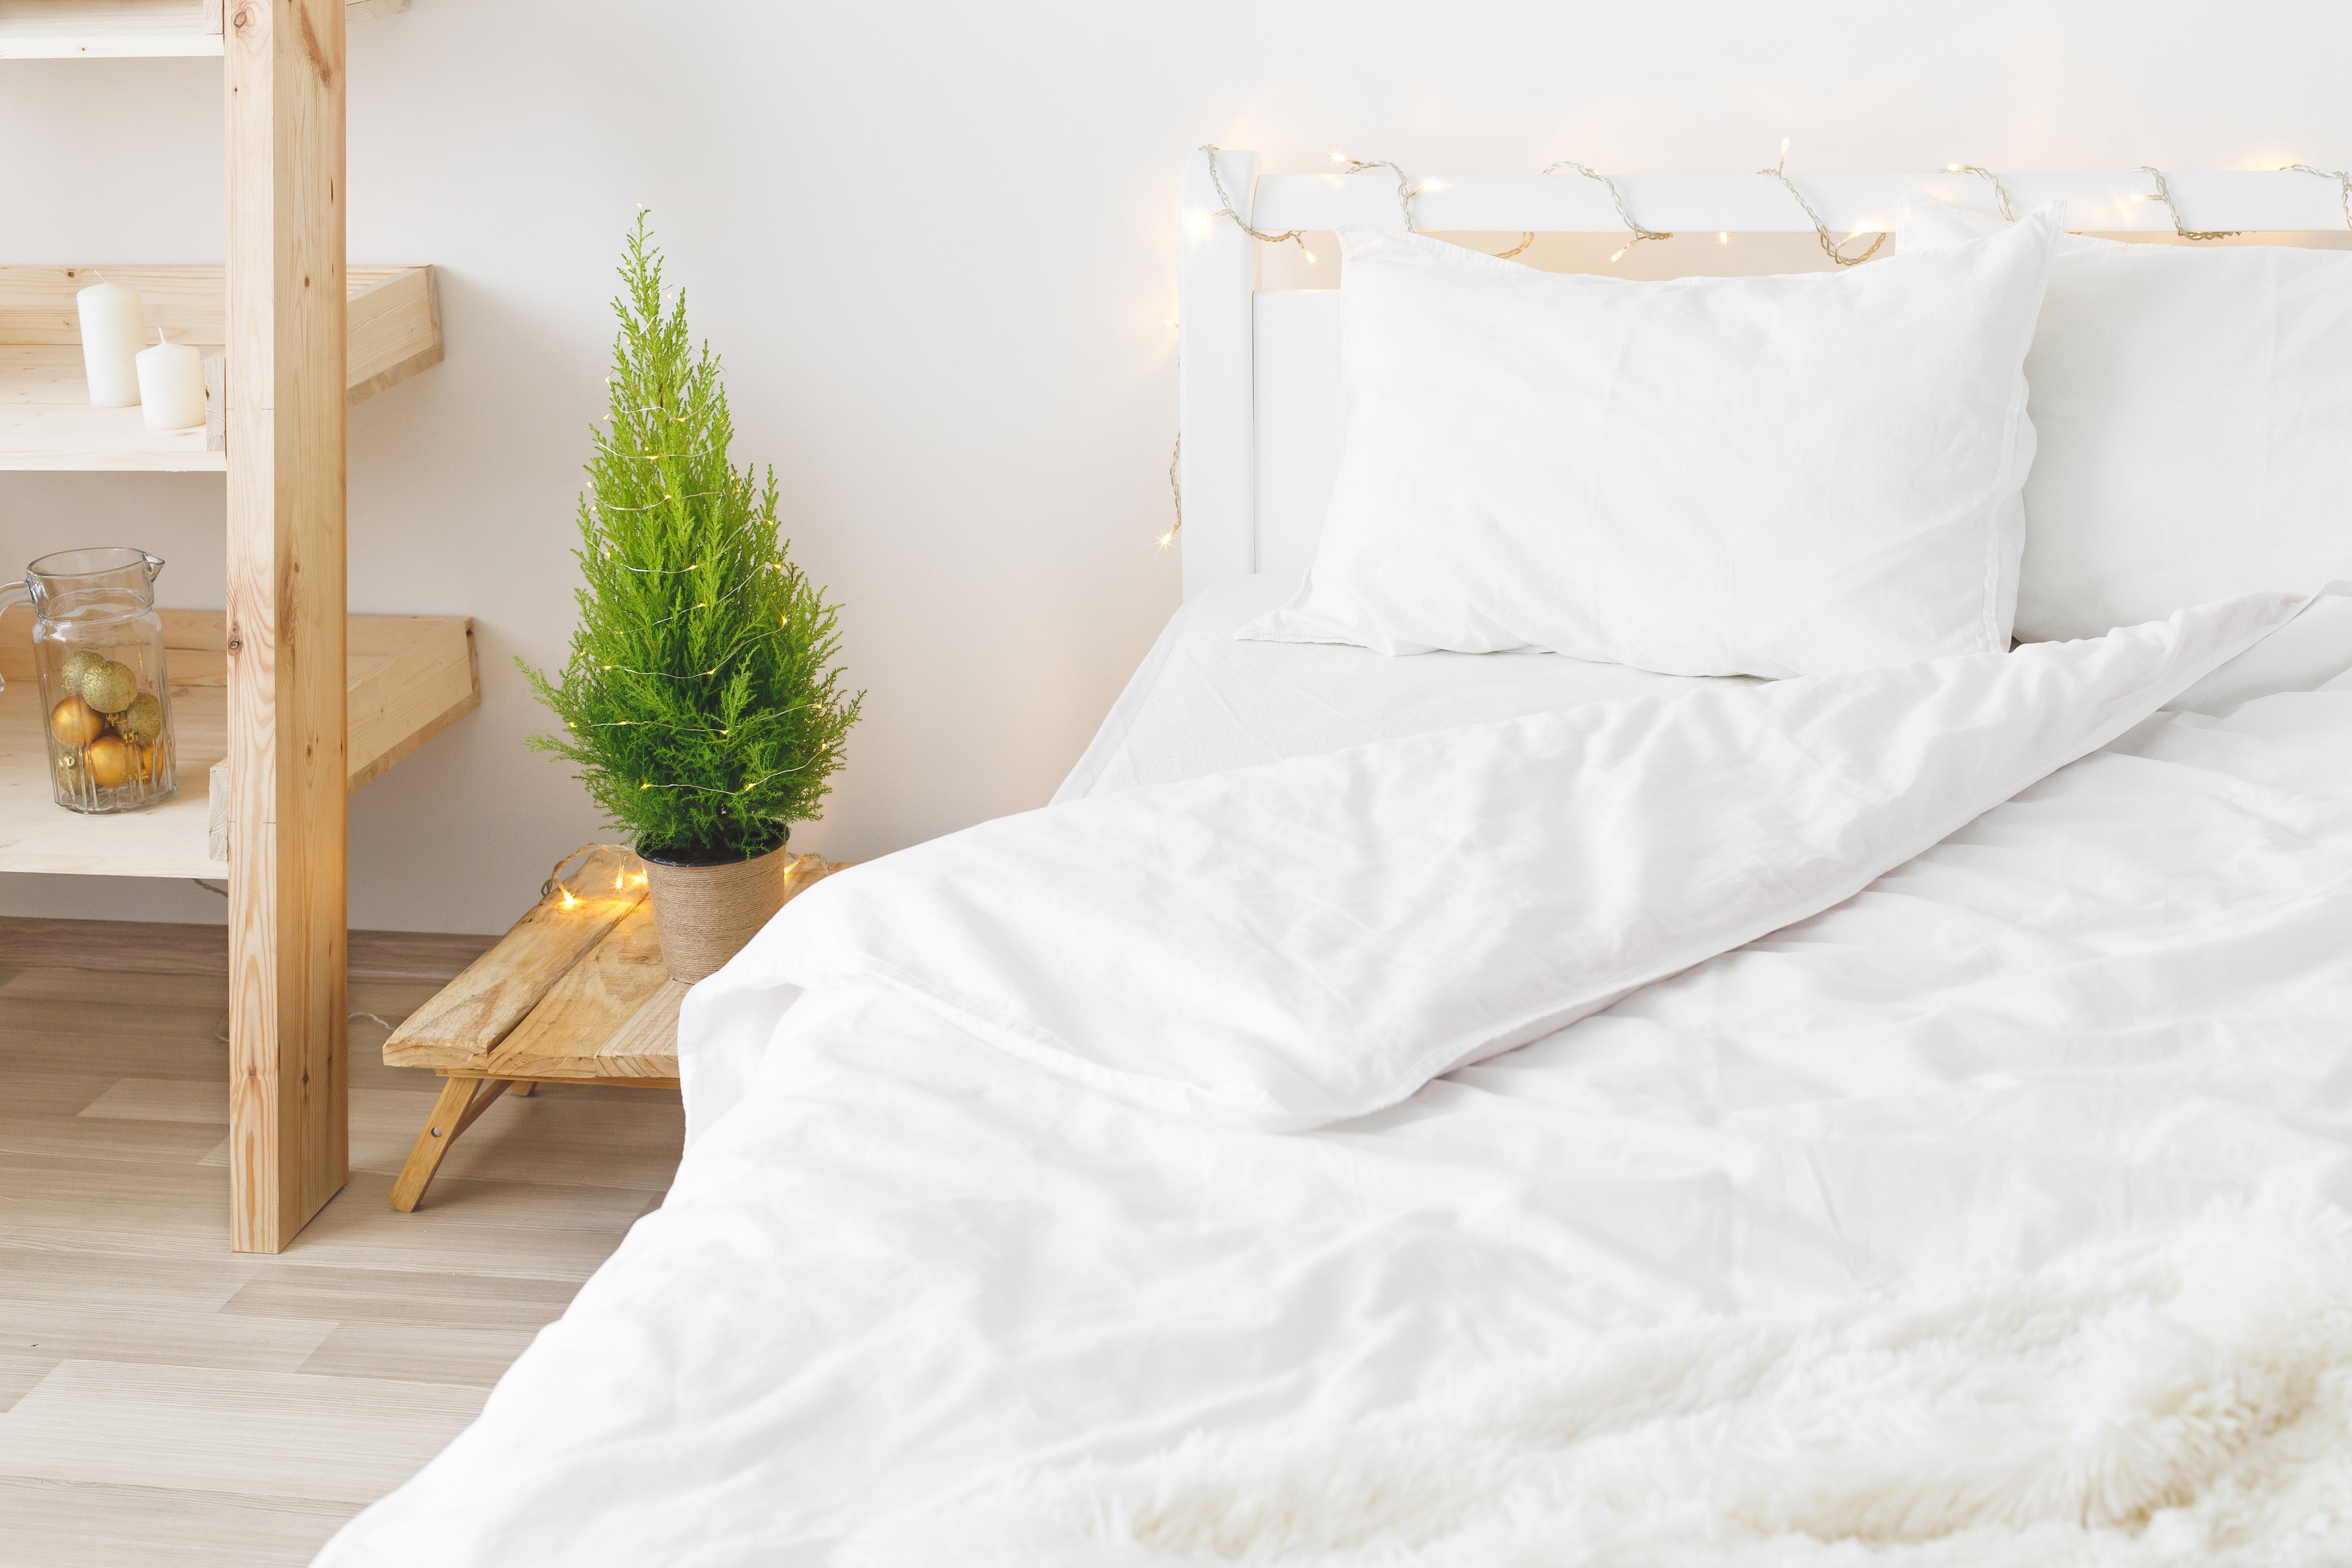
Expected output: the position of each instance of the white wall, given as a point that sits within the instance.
(935, 245)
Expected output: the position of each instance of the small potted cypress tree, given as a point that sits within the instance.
(700, 701)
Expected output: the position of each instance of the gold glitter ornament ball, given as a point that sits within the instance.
(111, 688)
(143, 721)
(76, 668)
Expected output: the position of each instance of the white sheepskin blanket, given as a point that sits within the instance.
(2195, 1408)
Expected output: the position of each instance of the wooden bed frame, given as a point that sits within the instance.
(1261, 405)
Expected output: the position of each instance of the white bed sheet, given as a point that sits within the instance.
(1202, 701)
(907, 1261)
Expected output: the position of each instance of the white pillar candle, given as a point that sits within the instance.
(172, 385)
(111, 334)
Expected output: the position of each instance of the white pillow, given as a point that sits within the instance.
(1713, 476)
(2194, 409)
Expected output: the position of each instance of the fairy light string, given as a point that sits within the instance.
(1176, 492)
(1617, 200)
(2164, 194)
(1832, 246)
(1289, 237)
(622, 877)
(2000, 191)
(1406, 189)
(2343, 179)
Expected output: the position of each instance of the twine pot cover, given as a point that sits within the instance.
(705, 914)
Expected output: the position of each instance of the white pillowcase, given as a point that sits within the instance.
(1713, 476)
(2194, 410)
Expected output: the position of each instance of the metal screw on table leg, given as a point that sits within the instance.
(460, 1102)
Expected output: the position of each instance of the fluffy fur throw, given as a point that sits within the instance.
(2195, 1408)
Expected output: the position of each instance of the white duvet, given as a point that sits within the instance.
(981, 1177)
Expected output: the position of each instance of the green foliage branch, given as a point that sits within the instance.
(700, 701)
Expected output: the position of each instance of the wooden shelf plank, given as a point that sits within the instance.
(410, 678)
(127, 30)
(108, 29)
(394, 331)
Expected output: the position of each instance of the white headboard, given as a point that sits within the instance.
(1260, 402)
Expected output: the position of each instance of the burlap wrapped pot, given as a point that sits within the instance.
(705, 914)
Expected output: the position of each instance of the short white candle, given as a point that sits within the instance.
(110, 335)
(172, 385)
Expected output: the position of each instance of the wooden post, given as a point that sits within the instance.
(289, 1094)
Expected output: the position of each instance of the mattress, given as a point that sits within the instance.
(1204, 700)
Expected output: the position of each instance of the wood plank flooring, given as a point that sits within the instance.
(166, 1400)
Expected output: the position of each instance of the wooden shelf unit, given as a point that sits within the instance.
(300, 682)
(126, 29)
(394, 331)
(410, 677)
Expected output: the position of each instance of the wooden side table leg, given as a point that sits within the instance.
(462, 1099)
(522, 1089)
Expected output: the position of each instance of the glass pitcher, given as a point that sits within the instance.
(98, 645)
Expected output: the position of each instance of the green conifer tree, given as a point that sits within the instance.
(700, 701)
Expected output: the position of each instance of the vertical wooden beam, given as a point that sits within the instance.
(288, 1095)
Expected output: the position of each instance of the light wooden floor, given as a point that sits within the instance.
(164, 1400)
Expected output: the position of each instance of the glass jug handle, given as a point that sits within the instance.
(13, 594)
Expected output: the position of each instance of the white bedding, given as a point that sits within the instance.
(902, 1260)
(1202, 701)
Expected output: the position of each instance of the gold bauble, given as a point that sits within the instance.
(75, 723)
(79, 665)
(143, 721)
(111, 688)
(110, 761)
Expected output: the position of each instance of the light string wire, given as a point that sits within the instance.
(1176, 489)
(746, 789)
(1290, 237)
(555, 883)
(2343, 179)
(1831, 246)
(2163, 195)
(2000, 191)
(1406, 189)
(1616, 199)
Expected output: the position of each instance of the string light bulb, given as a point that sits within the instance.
(1724, 238)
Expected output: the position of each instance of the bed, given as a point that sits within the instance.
(923, 1251)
